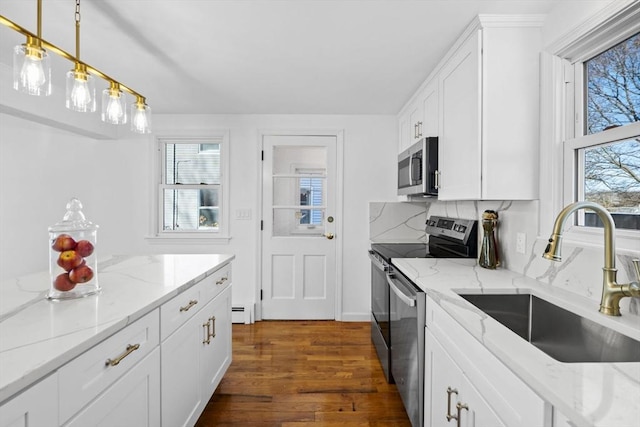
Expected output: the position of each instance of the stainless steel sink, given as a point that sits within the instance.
(561, 334)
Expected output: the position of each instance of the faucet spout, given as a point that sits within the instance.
(612, 292)
(552, 251)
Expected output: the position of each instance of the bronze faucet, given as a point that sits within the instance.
(612, 292)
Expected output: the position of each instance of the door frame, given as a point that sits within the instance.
(339, 214)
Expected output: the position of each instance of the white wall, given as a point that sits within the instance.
(42, 167)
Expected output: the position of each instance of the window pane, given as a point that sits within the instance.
(291, 221)
(191, 210)
(612, 179)
(192, 163)
(613, 87)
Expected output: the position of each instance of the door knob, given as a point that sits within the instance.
(329, 235)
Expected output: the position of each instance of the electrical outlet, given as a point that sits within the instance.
(521, 243)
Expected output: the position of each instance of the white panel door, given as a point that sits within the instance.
(298, 220)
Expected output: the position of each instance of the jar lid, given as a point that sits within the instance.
(73, 219)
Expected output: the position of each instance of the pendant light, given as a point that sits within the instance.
(81, 89)
(140, 116)
(31, 64)
(114, 110)
(32, 75)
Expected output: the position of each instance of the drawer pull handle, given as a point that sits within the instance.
(188, 306)
(460, 407)
(222, 280)
(207, 334)
(130, 349)
(212, 319)
(450, 391)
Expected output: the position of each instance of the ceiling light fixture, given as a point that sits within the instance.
(32, 75)
(81, 88)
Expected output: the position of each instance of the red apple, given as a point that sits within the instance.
(63, 283)
(69, 260)
(84, 248)
(81, 274)
(63, 242)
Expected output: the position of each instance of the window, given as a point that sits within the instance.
(190, 194)
(603, 157)
(311, 194)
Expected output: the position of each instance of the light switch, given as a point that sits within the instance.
(243, 214)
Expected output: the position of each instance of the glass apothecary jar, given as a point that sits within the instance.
(73, 264)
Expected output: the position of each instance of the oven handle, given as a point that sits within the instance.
(375, 261)
(408, 300)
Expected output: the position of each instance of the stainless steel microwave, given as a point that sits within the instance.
(418, 169)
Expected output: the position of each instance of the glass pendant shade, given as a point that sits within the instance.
(114, 110)
(31, 68)
(140, 117)
(81, 90)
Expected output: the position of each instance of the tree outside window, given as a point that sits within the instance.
(612, 169)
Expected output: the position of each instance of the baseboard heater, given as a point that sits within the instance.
(242, 314)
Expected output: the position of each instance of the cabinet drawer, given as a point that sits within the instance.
(183, 307)
(85, 377)
(212, 285)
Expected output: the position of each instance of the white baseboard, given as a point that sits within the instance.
(356, 317)
(244, 313)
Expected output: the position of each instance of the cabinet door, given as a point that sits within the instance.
(449, 395)
(442, 382)
(416, 121)
(405, 137)
(37, 406)
(430, 108)
(133, 400)
(216, 354)
(460, 143)
(180, 373)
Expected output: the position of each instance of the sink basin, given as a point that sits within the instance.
(561, 334)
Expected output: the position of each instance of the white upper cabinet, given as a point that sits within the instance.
(482, 103)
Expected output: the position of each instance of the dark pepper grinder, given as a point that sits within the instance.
(489, 251)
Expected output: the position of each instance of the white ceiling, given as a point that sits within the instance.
(259, 56)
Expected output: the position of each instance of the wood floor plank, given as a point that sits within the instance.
(301, 374)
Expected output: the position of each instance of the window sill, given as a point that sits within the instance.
(184, 238)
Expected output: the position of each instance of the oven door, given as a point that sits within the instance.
(407, 338)
(380, 332)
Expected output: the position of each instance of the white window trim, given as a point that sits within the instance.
(560, 118)
(222, 236)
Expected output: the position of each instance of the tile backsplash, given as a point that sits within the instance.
(579, 272)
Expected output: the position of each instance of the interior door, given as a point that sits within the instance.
(298, 221)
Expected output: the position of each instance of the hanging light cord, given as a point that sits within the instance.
(78, 30)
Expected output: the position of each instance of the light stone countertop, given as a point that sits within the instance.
(589, 394)
(38, 336)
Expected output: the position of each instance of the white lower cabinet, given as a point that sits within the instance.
(194, 359)
(132, 401)
(463, 377)
(160, 370)
(37, 406)
(453, 399)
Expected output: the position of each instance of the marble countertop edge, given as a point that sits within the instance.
(28, 353)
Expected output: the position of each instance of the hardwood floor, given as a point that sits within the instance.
(301, 373)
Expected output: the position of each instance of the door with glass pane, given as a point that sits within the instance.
(298, 240)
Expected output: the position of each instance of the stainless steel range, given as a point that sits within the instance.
(398, 305)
